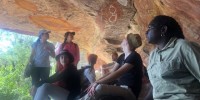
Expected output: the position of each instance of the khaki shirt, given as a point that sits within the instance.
(174, 71)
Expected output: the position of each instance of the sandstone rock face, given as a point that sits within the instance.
(100, 25)
(186, 12)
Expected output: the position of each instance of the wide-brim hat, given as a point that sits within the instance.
(134, 40)
(43, 31)
(67, 53)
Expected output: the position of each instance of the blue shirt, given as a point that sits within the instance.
(41, 57)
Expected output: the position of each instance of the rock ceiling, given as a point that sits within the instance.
(100, 25)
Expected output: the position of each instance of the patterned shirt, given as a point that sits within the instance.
(41, 57)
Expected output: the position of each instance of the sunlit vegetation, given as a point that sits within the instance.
(15, 50)
(14, 54)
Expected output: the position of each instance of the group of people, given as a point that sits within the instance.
(173, 68)
(66, 77)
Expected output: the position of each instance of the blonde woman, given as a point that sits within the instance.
(127, 70)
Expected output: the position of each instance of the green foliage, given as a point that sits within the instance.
(13, 86)
(14, 54)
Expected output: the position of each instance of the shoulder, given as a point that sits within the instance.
(86, 70)
(133, 58)
(183, 44)
(76, 45)
(188, 47)
(122, 55)
(120, 58)
(152, 53)
(89, 71)
(33, 44)
(83, 68)
(72, 70)
(134, 55)
(50, 44)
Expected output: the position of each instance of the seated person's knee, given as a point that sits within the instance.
(99, 87)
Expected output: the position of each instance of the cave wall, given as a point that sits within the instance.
(186, 12)
(100, 25)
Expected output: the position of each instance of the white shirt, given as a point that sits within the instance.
(90, 74)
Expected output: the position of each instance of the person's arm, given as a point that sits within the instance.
(51, 50)
(116, 66)
(108, 66)
(191, 58)
(115, 74)
(31, 56)
(77, 58)
(55, 77)
(52, 54)
(109, 78)
(33, 46)
(57, 51)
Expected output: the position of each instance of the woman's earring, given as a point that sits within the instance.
(162, 35)
(163, 31)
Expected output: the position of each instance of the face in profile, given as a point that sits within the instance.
(64, 60)
(153, 34)
(124, 44)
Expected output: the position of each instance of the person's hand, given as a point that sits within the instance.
(46, 47)
(91, 89)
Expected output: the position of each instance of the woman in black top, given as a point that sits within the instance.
(67, 85)
(127, 70)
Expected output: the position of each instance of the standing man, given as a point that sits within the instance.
(174, 65)
(41, 50)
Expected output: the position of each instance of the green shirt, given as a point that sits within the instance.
(174, 71)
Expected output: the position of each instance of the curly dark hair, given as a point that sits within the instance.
(173, 28)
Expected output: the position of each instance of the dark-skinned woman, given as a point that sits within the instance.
(174, 65)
